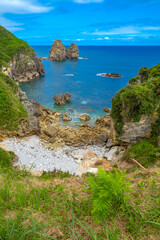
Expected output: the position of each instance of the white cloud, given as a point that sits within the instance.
(22, 6)
(106, 38)
(88, 1)
(123, 30)
(79, 39)
(19, 7)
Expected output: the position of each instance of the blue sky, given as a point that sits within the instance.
(85, 22)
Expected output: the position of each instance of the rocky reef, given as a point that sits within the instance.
(17, 59)
(59, 52)
(111, 75)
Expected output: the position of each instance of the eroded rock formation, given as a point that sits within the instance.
(59, 52)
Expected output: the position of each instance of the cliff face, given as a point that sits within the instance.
(17, 59)
(136, 107)
(59, 52)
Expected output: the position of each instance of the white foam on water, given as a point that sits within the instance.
(84, 102)
(69, 75)
(100, 74)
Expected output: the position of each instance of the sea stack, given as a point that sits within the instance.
(59, 52)
(72, 52)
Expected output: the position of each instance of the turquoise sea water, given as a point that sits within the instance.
(90, 93)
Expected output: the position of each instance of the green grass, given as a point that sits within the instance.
(145, 152)
(48, 208)
(11, 46)
(12, 111)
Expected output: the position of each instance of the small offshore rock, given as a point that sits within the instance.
(106, 109)
(85, 117)
(61, 99)
(66, 117)
(111, 75)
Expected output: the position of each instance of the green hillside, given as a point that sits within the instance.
(11, 109)
(11, 46)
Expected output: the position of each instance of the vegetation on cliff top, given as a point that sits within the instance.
(11, 109)
(53, 208)
(11, 46)
(132, 101)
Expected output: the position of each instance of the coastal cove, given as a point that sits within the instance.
(90, 93)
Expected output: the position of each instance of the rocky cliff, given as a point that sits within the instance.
(136, 107)
(59, 52)
(17, 59)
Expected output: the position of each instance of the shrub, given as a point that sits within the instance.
(6, 158)
(144, 152)
(108, 193)
(134, 80)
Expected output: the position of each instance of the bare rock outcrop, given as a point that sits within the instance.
(24, 68)
(134, 131)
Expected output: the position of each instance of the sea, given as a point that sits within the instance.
(90, 92)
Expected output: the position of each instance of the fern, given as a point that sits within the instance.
(108, 193)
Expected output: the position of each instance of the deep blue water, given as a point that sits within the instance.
(90, 93)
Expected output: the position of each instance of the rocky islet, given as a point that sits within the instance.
(59, 52)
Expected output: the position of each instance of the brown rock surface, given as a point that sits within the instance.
(72, 52)
(85, 117)
(66, 117)
(61, 99)
(58, 51)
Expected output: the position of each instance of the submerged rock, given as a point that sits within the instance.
(66, 117)
(61, 99)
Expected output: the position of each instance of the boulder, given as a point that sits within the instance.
(106, 109)
(134, 131)
(72, 52)
(85, 117)
(58, 51)
(66, 117)
(61, 99)
(50, 131)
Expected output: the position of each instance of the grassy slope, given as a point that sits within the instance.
(11, 109)
(50, 207)
(11, 46)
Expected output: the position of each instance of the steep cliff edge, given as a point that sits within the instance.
(136, 107)
(17, 59)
